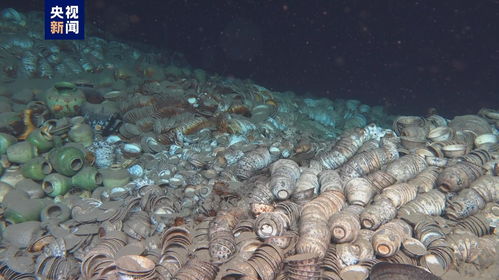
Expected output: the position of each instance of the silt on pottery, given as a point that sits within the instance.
(6, 140)
(66, 160)
(64, 99)
(41, 139)
(87, 178)
(56, 184)
(21, 152)
(36, 168)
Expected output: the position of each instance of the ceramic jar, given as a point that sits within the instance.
(64, 99)
(21, 152)
(42, 140)
(56, 184)
(36, 168)
(66, 160)
(88, 178)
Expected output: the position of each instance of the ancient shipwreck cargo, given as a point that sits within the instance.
(136, 169)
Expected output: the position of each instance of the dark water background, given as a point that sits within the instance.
(406, 55)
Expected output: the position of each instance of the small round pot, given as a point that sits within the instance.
(42, 140)
(88, 178)
(56, 184)
(36, 168)
(67, 160)
(64, 99)
(6, 140)
(81, 133)
(407, 121)
(21, 152)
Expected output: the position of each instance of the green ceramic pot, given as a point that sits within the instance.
(55, 212)
(56, 184)
(24, 210)
(6, 140)
(87, 178)
(82, 133)
(21, 152)
(43, 141)
(64, 99)
(66, 160)
(36, 168)
(114, 177)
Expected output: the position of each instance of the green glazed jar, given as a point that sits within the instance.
(64, 99)
(56, 184)
(36, 168)
(114, 177)
(66, 160)
(82, 133)
(25, 210)
(6, 140)
(88, 178)
(21, 152)
(43, 141)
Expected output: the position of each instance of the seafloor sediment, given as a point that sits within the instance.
(120, 162)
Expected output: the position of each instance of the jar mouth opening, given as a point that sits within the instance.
(48, 187)
(54, 211)
(46, 168)
(65, 86)
(98, 178)
(76, 164)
